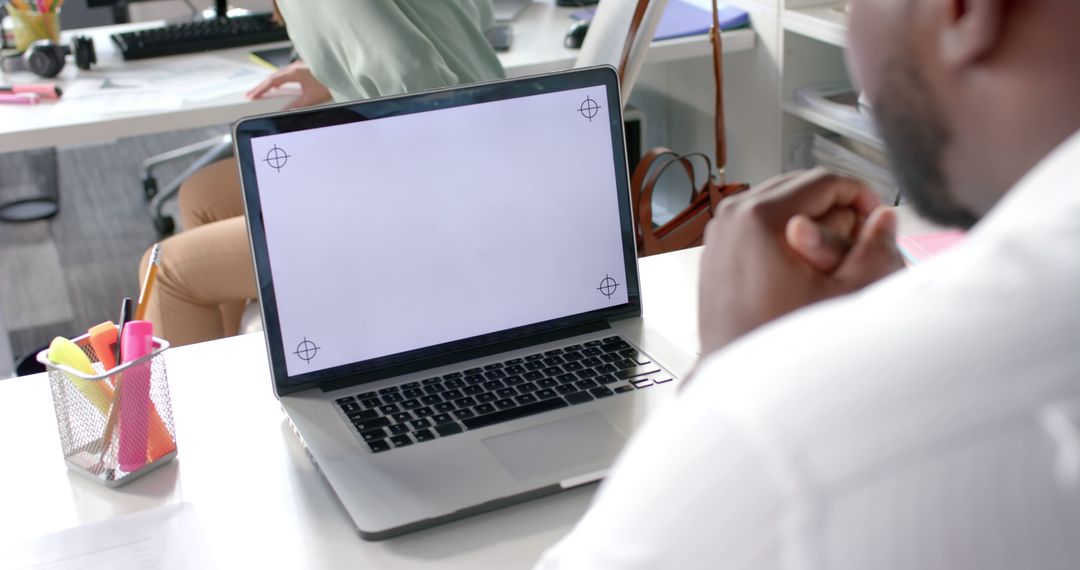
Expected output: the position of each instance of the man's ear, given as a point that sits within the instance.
(973, 30)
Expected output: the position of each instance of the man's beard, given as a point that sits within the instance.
(916, 136)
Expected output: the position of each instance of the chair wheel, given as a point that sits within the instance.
(150, 189)
(165, 225)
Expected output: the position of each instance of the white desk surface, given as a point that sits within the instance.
(537, 48)
(260, 501)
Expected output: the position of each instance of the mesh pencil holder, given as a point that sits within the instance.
(117, 425)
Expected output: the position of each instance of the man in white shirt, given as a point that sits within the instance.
(849, 416)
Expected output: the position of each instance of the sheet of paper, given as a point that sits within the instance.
(193, 79)
(166, 538)
(99, 97)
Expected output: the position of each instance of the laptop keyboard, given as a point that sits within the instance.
(441, 406)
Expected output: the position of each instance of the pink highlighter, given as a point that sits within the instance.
(136, 341)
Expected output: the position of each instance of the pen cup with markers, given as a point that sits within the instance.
(117, 424)
(30, 26)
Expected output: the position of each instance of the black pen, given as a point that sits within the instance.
(127, 307)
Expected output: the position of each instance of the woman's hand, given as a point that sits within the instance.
(311, 91)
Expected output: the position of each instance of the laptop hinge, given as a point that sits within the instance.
(462, 355)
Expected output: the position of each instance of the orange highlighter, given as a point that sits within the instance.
(103, 339)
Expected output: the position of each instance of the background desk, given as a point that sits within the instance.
(537, 48)
(260, 501)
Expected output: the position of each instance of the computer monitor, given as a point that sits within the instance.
(120, 8)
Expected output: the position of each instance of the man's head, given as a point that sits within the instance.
(968, 94)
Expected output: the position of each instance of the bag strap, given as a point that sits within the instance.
(718, 74)
(631, 35)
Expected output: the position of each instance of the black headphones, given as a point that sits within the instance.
(46, 57)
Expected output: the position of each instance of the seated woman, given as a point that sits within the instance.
(350, 50)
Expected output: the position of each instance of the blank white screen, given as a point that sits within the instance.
(401, 233)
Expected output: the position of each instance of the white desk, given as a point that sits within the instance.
(259, 499)
(537, 47)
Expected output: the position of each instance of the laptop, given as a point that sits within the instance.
(507, 10)
(450, 293)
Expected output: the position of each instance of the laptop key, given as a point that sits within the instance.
(410, 404)
(611, 357)
(487, 419)
(525, 399)
(401, 440)
(473, 390)
(606, 379)
(592, 351)
(611, 339)
(573, 356)
(601, 392)
(514, 361)
(441, 419)
(593, 343)
(545, 394)
(412, 393)
(641, 382)
(453, 384)
(547, 383)
(398, 429)
(390, 409)
(494, 385)
(363, 415)
(410, 385)
(433, 388)
(661, 379)
(578, 398)
(553, 352)
(553, 360)
(587, 373)
(515, 369)
(486, 397)
(572, 366)
(566, 378)
(393, 397)
(566, 388)
(373, 434)
(427, 381)
(484, 409)
(494, 366)
(472, 371)
(366, 425)
(431, 399)
(389, 389)
(513, 380)
(591, 362)
(534, 365)
(448, 429)
(494, 374)
(345, 400)
(444, 407)
(421, 423)
(423, 412)
(402, 417)
(623, 388)
(527, 387)
(466, 402)
(378, 446)
(504, 403)
(533, 357)
(505, 392)
(553, 371)
(534, 375)
(463, 414)
(572, 347)
(452, 394)
(365, 395)
(474, 379)
(452, 375)
(637, 371)
(624, 363)
(585, 384)
(423, 435)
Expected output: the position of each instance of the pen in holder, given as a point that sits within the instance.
(103, 436)
(30, 26)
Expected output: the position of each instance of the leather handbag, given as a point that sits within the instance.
(687, 228)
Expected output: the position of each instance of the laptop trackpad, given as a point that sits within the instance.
(562, 448)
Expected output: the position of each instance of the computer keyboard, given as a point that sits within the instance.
(441, 406)
(199, 35)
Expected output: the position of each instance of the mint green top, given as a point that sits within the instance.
(362, 49)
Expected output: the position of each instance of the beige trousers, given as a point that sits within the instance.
(206, 274)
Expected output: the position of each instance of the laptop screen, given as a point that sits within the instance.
(394, 235)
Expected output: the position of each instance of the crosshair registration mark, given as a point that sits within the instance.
(608, 286)
(589, 108)
(306, 350)
(276, 158)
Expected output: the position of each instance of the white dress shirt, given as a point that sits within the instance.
(930, 422)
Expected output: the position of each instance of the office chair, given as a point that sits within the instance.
(207, 151)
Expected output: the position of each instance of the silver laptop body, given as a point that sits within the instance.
(450, 293)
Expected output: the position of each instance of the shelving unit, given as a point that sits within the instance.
(826, 23)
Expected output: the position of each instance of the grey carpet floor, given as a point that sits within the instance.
(64, 275)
